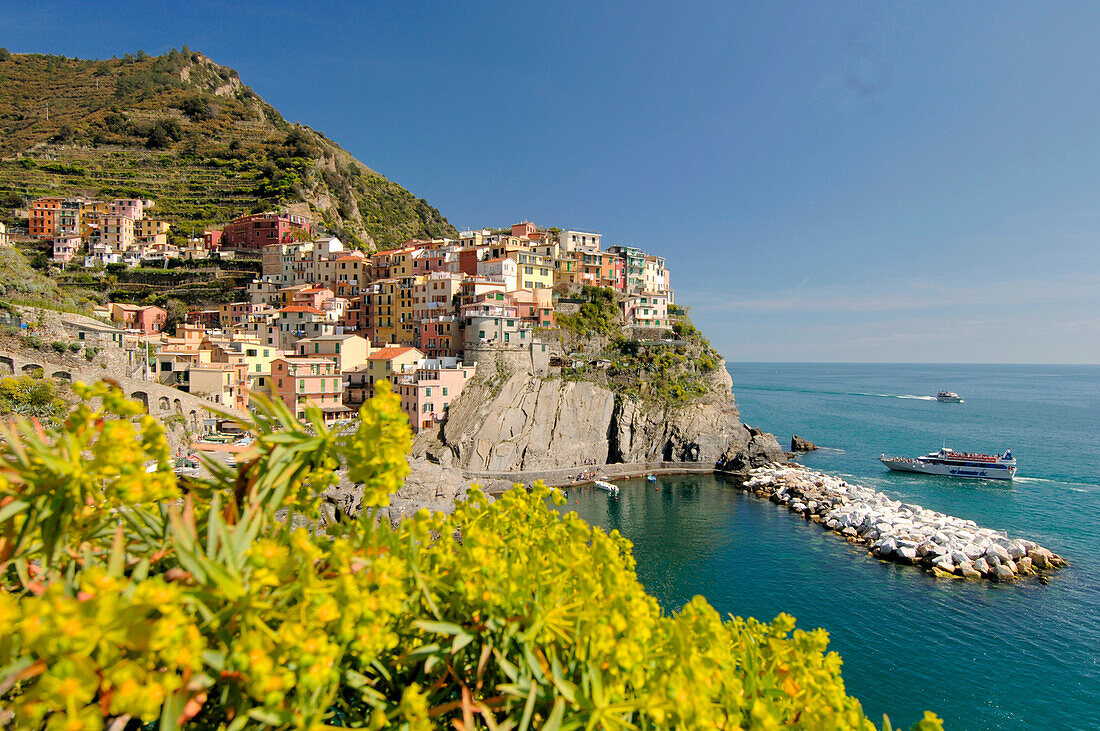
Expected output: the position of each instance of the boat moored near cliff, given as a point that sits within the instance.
(949, 463)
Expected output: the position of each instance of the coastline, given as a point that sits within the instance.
(892, 531)
(567, 476)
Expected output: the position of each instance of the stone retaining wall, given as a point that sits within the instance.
(159, 400)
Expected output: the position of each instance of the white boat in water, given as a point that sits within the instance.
(949, 397)
(949, 463)
(603, 485)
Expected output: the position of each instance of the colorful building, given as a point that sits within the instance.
(302, 382)
(261, 229)
(384, 364)
(145, 319)
(441, 337)
(42, 217)
(348, 352)
(426, 393)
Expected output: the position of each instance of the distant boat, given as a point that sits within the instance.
(651, 478)
(949, 397)
(949, 463)
(613, 489)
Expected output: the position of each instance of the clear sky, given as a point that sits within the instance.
(829, 181)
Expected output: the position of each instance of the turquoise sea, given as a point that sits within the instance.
(982, 656)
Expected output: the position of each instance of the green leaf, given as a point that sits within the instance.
(557, 713)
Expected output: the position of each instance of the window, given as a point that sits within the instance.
(302, 385)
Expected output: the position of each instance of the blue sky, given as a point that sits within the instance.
(829, 181)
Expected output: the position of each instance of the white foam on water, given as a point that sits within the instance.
(897, 395)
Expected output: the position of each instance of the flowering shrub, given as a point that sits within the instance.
(133, 601)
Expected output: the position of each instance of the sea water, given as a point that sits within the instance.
(979, 654)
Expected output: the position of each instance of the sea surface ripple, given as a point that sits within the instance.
(981, 655)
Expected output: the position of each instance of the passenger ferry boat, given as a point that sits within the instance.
(949, 397)
(949, 463)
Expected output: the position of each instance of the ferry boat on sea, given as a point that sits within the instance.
(949, 397)
(949, 463)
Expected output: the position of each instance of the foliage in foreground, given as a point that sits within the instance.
(133, 600)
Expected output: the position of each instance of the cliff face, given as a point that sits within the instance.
(534, 423)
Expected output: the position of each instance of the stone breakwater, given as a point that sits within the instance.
(901, 532)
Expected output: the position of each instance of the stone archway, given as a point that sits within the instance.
(63, 375)
(193, 417)
(142, 397)
(30, 368)
(7, 365)
(179, 405)
(164, 404)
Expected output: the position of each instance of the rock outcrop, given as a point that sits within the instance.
(528, 422)
(798, 444)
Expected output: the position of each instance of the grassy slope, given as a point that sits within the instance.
(186, 132)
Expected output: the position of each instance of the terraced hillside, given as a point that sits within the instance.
(184, 131)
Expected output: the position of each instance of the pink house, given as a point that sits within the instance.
(147, 319)
(132, 208)
(427, 394)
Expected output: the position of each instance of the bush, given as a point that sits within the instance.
(90, 353)
(59, 347)
(31, 397)
(129, 600)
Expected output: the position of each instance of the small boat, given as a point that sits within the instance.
(651, 478)
(949, 397)
(603, 485)
(949, 463)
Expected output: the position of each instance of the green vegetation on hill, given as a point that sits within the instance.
(184, 131)
(672, 369)
(21, 284)
(128, 601)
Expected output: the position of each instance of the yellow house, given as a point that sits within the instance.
(535, 270)
(151, 232)
(567, 270)
(383, 325)
(404, 312)
(257, 358)
(382, 365)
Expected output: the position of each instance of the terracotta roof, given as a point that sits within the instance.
(389, 353)
(302, 308)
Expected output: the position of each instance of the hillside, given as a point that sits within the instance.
(186, 132)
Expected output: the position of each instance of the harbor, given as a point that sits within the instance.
(901, 532)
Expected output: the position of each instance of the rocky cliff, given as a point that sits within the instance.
(530, 423)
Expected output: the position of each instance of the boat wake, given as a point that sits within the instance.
(1074, 486)
(896, 395)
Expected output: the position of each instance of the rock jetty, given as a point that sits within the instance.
(901, 532)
